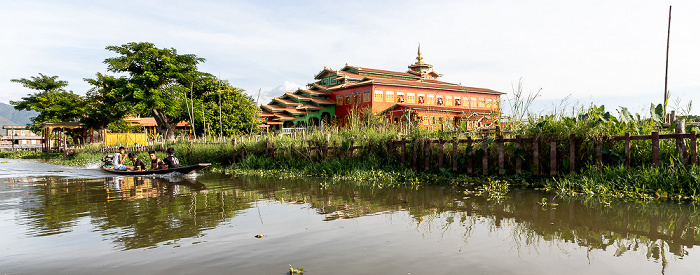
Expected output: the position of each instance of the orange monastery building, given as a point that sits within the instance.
(336, 94)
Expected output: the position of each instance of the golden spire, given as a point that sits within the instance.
(420, 57)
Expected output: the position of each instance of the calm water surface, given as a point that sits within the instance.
(68, 220)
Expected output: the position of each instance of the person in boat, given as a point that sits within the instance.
(138, 163)
(171, 161)
(118, 160)
(156, 163)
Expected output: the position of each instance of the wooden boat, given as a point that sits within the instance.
(182, 169)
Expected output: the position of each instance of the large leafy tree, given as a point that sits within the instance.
(155, 83)
(237, 108)
(51, 101)
(104, 103)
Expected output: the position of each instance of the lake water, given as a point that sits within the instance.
(79, 220)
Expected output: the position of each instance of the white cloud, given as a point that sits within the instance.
(603, 51)
(266, 95)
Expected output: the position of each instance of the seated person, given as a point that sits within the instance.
(156, 163)
(171, 161)
(138, 164)
(118, 160)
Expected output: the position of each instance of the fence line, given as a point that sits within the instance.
(319, 150)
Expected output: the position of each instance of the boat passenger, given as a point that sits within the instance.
(118, 159)
(156, 163)
(171, 161)
(138, 163)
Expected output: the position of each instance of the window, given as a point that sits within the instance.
(399, 98)
(410, 98)
(431, 99)
(448, 100)
(358, 98)
(339, 100)
(425, 120)
(421, 99)
(439, 100)
(378, 96)
(488, 103)
(472, 102)
(458, 102)
(432, 119)
(348, 99)
(482, 102)
(389, 96)
(367, 96)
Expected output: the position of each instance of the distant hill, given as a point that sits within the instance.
(8, 115)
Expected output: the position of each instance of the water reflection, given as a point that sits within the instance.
(140, 212)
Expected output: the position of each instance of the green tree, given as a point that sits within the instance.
(104, 102)
(51, 101)
(237, 108)
(156, 81)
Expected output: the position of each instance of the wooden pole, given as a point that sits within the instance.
(655, 154)
(536, 155)
(485, 159)
(599, 152)
(680, 142)
(403, 151)
(518, 160)
(552, 155)
(628, 150)
(415, 154)
(427, 155)
(454, 154)
(469, 155)
(441, 152)
(501, 156)
(668, 42)
(693, 148)
(572, 154)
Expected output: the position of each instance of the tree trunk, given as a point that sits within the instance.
(165, 125)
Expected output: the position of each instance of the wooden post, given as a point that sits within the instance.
(599, 151)
(335, 150)
(693, 148)
(352, 148)
(469, 156)
(655, 154)
(274, 153)
(267, 146)
(415, 154)
(325, 150)
(536, 155)
(454, 154)
(518, 160)
(572, 154)
(501, 156)
(441, 152)
(680, 142)
(485, 159)
(427, 155)
(552, 155)
(403, 151)
(311, 155)
(628, 151)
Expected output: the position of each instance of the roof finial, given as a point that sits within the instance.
(420, 57)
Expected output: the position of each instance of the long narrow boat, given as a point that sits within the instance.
(183, 170)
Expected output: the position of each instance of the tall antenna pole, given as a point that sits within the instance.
(221, 126)
(668, 39)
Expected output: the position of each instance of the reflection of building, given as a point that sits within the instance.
(415, 94)
(19, 136)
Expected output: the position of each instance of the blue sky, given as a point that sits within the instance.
(601, 52)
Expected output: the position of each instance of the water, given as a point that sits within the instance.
(73, 220)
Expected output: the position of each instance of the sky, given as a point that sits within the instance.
(575, 53)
